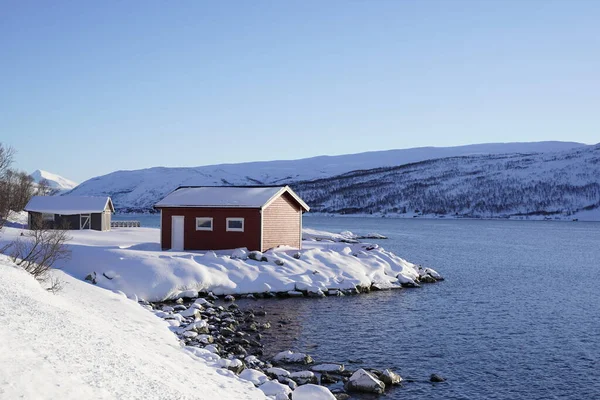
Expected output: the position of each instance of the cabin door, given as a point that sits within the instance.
(177, 232)
(84, 221)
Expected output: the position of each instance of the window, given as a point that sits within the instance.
(235, 224)
(47, 217)
(204, 224)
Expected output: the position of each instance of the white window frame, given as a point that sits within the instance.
(203, 228)
(228, 229)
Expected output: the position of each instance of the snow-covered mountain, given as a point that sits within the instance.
(558, 184)
(55, 181)
(140, 189)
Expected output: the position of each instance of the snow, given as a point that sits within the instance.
(278, 371)
(141, 270)
(289, 356)
(363, 381)
(86, 342)
(142, 189)
(54, 181)
(312, 392)
(254, 376)
(224, 196)
(67, 205)
(272, 388)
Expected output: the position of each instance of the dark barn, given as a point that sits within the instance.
(70, 212)
(229, 217)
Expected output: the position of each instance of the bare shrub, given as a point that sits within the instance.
(38, 251)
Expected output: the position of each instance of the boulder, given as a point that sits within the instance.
(293, 358)
(436, 378)
(329, 368)
(276, 373)
(312, 392)
(327, 379)
(257, 256)
(240, 254)
(303, 377)
(272, 388)
(363, 381)
(390, 378)
(254, 376)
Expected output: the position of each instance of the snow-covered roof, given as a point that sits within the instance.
(227, 197)
(69, 205)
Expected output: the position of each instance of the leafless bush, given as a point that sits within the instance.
(38, 251)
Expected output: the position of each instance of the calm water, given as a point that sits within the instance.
(518, 316)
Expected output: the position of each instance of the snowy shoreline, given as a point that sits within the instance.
(130, 261)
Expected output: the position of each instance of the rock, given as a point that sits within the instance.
(198, 326)
(279, 262)
(342, 396)
(303, 377)
(229, 298)
(272, 388)
(276, 373)
(91, 278)
(293, 358)
(330, 368)
(190, 313)
(295, 293)
(327, 379)
(316, 293)
(254, 376)
(266, 325)
(260, 313)
(240, 254)
(212, 296)
(363, 381)
(190, 334)
(238, 350)
(227, 332)
(434, 274)
(312, 392)
(212, 348)
(297, 255)
(257, 256)
(291, 383)
(427, 279)
(436, 378)
(389, 377)
(234, 365)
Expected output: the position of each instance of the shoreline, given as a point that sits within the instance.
(218, 327)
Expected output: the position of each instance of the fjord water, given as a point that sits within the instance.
(518, 316)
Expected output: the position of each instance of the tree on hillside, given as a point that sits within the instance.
(16, 187)
(6, 159)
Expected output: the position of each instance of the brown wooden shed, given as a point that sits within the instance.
(229, 217)
(70, 212)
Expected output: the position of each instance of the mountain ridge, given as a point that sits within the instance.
(55, 181)
(141, 189)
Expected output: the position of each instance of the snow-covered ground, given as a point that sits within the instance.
(130, 260)
(88, 343)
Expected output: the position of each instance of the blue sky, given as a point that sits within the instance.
(87, 88)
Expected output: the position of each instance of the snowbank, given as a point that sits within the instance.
(85, 342)
(130, 260)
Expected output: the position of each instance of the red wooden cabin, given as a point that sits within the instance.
(228, 217)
